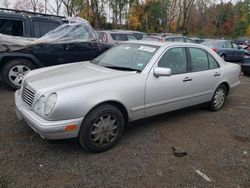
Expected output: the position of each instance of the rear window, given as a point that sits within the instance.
(119, 37)
(11, 27)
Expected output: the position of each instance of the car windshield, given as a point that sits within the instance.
(127, 57)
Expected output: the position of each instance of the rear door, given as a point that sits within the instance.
(83, 51)
(228, 51)
(238, 52)
(205, 73)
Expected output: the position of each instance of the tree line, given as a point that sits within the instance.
(209, 18)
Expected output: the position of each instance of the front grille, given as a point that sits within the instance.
(28, 94)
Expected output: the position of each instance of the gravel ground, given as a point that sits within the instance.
(217, 143)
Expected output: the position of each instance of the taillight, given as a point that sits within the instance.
(215, 49)
(105, 38)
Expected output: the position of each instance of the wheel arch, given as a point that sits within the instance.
(117, 104)
(9, 56)
(226, 85)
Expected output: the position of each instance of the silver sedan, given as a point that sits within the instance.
(94, 100)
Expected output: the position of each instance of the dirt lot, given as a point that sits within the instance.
(218, 144)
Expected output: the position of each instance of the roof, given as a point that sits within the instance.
(160, 44)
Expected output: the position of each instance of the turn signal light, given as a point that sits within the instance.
(72, 127)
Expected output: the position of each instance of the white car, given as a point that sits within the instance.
(94, 100)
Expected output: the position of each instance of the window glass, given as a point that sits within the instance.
(199, 59)
(119, 37)
(189, 41)
(227, 44)
(235, 46)
(131, 37)
(175, 59)
(178, 39)
(133, 56)
(11, 27)
(41, 28)
(212, 62)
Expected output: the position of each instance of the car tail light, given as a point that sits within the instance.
(215, 49)
(105, 38)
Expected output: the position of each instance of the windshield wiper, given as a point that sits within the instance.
(123, 68)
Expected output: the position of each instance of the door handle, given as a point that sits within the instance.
(187, 79)
(216, 74)
(68, 46)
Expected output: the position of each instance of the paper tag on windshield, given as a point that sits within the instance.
(147, 48)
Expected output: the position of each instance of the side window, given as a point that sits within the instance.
(41, 27)
(227, 44)
(212, 62)
(11, 27)
(131, 37)
(199, 59)
(235, 46)
(119, 37)
(175, 59)
(178, 39)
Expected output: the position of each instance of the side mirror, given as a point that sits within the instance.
(160, 71)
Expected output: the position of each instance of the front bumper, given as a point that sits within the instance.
(50, 130)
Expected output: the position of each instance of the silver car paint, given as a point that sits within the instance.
(82, 86)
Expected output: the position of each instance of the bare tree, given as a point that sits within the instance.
(73, 7)
(97, 8)
(6, 3)
(29, 5)
(54, 8)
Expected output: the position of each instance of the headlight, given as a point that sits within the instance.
(39, 106)
(50, 104)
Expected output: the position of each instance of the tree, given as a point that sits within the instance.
(6, 3)
(29, 5)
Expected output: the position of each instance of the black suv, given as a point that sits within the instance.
(70, 42)
(27, 24)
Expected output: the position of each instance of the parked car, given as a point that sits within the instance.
(153, 38)
(131, 81)
(115, 36)
(139, 35)
(68, 43)
(228, 50)
(179, 39)
(245, 67)
(197, 40)
(27, 24)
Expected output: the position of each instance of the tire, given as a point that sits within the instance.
(13, 72)
(95, 134)
(220, 94)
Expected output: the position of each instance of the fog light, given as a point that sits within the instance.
(72, 127)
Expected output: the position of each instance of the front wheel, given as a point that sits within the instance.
(14, 71)
(218, 99)
(102, 128)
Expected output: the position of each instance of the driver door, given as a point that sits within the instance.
(167, 93)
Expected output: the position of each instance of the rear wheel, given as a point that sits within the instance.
(219, 98)
(102, 128)
(13, 72)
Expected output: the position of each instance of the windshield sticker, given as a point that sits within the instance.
(140, 64)
(147, 48)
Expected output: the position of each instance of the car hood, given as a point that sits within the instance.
(70, 75)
